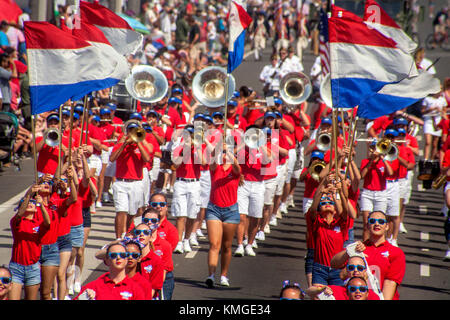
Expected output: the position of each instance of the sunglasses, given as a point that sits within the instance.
(361, 289)
(380, 221)
(150, 220)
(32, 201)
(115, 255)
(352, 267)
(161, 204)
(145, 232)
(134, 255)
(327, 202)
(5, 280)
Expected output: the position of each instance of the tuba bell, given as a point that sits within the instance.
(315, 169)
(324, 141)
(147, 84)
(295, 88)
(137, 133)
(51, 137)
(255, 138)
(392, 152)
(209, 85)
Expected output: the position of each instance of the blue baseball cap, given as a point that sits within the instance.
(391, 132)
(152, 113)
(132, 125)
(66, 112)
(317, 154)
(79, 109)
(217, 114)
(326, 121)
(278, 101)
(270, 114)
(278, 114)
(136, 115)
(199, 115)
(401, 131)
(401, 121)
(147, 127)
(236, 94)
(208, 118)
(189, 128)
(111, 106)
(96, 118)
(76, 116)
(104, 111)
(53, 116)
(267, 130)
(175, 100)
(177, 90)
(232, 103)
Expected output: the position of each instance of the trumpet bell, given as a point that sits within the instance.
(392, 153)
(383, 146)
(51, 138)
(147, 84)
(315, 169)
(324, 142)
(138, 134)
(255, 138)
(295, 88)
(209, 86)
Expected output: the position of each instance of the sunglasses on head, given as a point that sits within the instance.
(162, 204)
(361, 289)
(380, 221)
(150, 220)
(146, 232)
(5, 280)
(352, 267)
(115, 255)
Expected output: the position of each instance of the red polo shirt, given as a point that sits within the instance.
(310, 185)
(106, 289)
(190, 166)
(151, 267)
(251, 169)
(48, 157)
(164, 250)
(224, 185)
(144, 284)
(130, 163)
(340, 293)
(375, 179)
(108, 133)
(55, 209)
(169, 232)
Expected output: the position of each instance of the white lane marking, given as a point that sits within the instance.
(420, 187)
(9, 204)
(421, 153)
(423, 209)
(425, 249)
(424, 270)
(424, 236)
(419, 138)
(191, 255)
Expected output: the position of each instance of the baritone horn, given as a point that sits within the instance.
(147, 84)
(315, 169)
(255, 138)
(209, 86)
(51, 137)
(295, 88)
(324, 141)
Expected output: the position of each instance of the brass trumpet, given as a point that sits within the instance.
(315, 169)
(324, 141)
(138, 133)
(439, 181)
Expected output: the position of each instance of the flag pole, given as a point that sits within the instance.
(83, 120)
(70, 134)
(33, 128)
(60, 142)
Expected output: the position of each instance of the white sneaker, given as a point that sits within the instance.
(186, 246)
(273, 221)
(98, 204)
(278, 215)
(267, 229)
(245, 241)
(290, 201)
(224, 281)
(92, 208)
(67, 298)
(71, 290)
(193, 240)
(171, 190)
(394, 242)
(447, 256)
(200, 234)
(77, 287)
(402, 228)
(260, 236)
(204, 225)
(239, 251)
(254, 245)
(249, 251)
(179, 248)
(210, 281)
(283, 208)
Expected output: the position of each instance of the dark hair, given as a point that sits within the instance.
(151, 210)
(159, 194)
(291, 286)
(352, 278)
(114, 244)
(127, 242)
(384, 214)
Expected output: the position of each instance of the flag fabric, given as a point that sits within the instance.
(362, 60)
(324, 47)
(118, 32)
(238, 21)
(375, 17)
(396, 96)
(62, 66)
(279, 19)
(9, 11)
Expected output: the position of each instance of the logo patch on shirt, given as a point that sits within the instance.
(385, 254)
(36, 229)
(382, 169)
(337, 229)
(126, 295)
(162, 235)
(148, 268)
(159, 252)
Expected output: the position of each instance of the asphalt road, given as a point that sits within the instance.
(281, 255)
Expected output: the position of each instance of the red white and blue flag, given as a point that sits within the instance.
(62, 66)
(324, 47)
(118, 32)
(238, 21)
(362, 60)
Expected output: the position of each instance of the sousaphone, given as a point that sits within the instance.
(146, 84)
(209, 86)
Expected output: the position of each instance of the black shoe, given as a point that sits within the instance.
(209, 282)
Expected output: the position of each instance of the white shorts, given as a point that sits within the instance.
(146, 186)
(205, 188)
(186, 199)
(251, 198)
(373, 200)
(307, 202)
(154, 173)
(403, 188)
(105, 157)
(95, 161)
(128, 196)
(428, 128)
(281, 178)
(393, 198)
(270, 186)
(299, 163)
(291, 164)
(111, 167)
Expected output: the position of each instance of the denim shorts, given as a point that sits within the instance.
(64, 243)
(86, 217)
(326, 275)
(25, 275)
(227, 214)
(351, 237)
(309, 260)
(77, 236)
(50, 255)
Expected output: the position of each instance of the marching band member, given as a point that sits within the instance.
(130, 159)
(269, 76)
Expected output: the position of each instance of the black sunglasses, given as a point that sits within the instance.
(5, 280)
